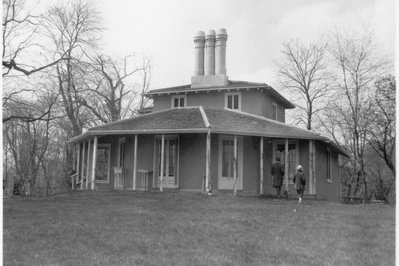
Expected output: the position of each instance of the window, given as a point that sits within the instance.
(226, 162)
(274, 111)
(233, 101)
(103, 163)
(121, 158)
(228, 158)
(170, 161)
(328, 174)
(179, 101)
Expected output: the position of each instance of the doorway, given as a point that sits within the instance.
(171, 161)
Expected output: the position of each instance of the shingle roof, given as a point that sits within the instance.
(231, 85)
(182, 118)
(225, 120)
(190, 120)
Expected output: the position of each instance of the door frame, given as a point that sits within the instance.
(156, 176)
(240, 152)
(108, 146)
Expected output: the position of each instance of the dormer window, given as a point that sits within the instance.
(233, 100)
(179, 101)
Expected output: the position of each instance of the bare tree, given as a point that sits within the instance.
(349, 118)
(382, 133)
(21, 40)
(74, 28)
(303, 72)
(27, 142)
(112, 89)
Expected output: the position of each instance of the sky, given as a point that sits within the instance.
(164, 31)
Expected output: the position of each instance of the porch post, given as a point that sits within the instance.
(73, 165)
(88, 164)
(135, 162)
(261, 166)
(93, 169)
(78, 164)
(208, 163)
(83, 162)
(162, 160)
(286, 166)
(235, 172)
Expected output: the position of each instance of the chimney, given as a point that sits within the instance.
(210, 52)
(199, 44)
(221, 39)
(205, 57)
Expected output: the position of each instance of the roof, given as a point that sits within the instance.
(232, 85)
(200, 119)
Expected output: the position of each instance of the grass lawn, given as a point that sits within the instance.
(143, 228)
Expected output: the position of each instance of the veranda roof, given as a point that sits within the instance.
(200, 119)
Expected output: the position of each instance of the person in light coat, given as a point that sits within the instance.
(300, 182)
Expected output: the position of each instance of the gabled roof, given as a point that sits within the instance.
(204, 119)
(232, 85)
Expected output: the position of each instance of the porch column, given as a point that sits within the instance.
(208, 163)
(261, 166)
(312, 185)
(135, 162)
(162, 160)
(73, 165)
(235, 172)
(78, 164)
(93, 169)
(88, 164)
(286, 166)
(83, 162)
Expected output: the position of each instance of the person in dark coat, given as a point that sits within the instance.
(277, 172)
(300, 182)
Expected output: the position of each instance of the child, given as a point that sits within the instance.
(299, 181)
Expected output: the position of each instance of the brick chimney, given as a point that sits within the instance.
(210, 59)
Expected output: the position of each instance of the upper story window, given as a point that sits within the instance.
(179, 101)
(233, 100)
(274, 111)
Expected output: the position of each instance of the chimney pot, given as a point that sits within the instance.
(199, 44)
(210, 52)
(221, 39)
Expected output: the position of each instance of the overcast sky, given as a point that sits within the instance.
(164, 30)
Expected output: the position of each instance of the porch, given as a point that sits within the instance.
(189, 161)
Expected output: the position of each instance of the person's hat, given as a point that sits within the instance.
(299, 168)
(278, 159)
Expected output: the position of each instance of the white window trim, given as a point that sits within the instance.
(282, 142)
(105, 145)
(178, 97)
(239, 99)
(274, 105)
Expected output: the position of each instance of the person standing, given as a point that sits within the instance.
(299, 181)
(277, 172)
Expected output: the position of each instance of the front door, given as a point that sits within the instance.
(170, 164)
(226, 163)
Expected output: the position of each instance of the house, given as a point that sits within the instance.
(212, 134)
